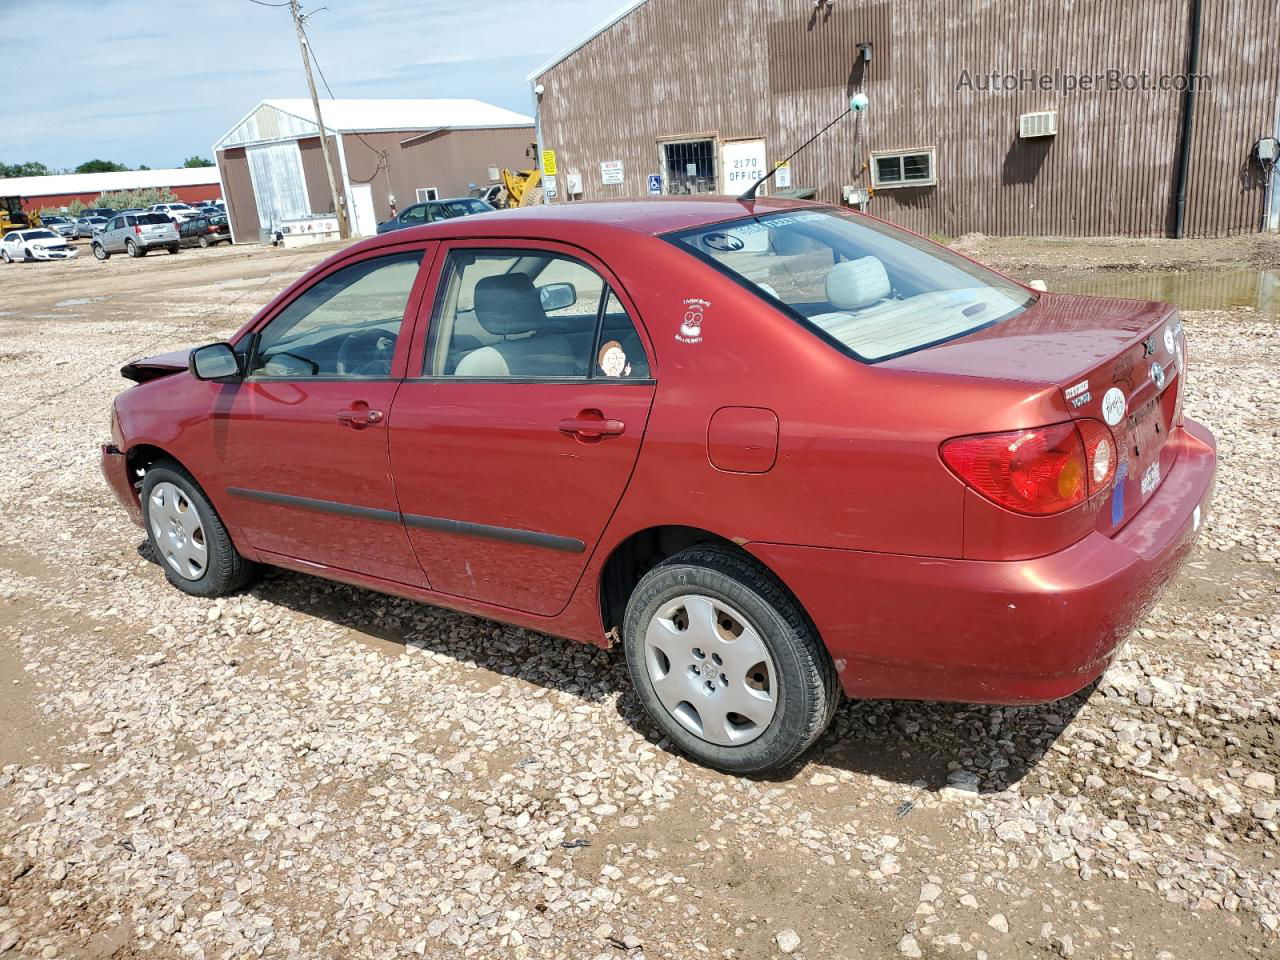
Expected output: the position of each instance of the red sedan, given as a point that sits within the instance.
(777, 450)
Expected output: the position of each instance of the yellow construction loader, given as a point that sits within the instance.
(12, 217)
(521, 188)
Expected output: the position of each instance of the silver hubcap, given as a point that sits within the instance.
(711, 670)
(177, 531)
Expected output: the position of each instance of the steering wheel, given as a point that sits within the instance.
(366, 353)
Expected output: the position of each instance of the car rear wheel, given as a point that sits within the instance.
(133, 250)
(726, 662)
(173, 248)
(5, 254)
(204, 241)
(188, 538)
(100, 251)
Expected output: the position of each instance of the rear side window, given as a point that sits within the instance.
(868, 288)
(530, 315)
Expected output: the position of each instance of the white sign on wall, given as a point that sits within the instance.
(611, 171)
(743, 162)
(549, 186)
(782, 179)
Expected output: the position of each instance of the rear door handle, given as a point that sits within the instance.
(359, 415)
(591, 426)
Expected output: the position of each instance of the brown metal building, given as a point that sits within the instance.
(1079, 132)
(384, 152)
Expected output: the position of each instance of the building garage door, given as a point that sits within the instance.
(279, 184)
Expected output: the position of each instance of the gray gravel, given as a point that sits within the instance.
(309, 770)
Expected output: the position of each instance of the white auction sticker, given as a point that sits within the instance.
(1113, 406)
(1168, 339)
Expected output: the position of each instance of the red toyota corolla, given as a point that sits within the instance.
(777, 450)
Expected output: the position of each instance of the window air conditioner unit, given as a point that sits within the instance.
(1038, 124)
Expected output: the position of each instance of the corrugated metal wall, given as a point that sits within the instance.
(242, 209)
(317, 178)
(783, 68)
(448, 160)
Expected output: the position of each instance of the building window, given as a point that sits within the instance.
(427, 193)
(903, 168)
(690, 166)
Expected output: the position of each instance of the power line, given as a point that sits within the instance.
(263, 3)
(384, 157)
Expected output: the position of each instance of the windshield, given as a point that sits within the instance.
(39, 235)
(872, 290)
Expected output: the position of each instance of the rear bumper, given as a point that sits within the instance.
(115, 470)
(1026, 631)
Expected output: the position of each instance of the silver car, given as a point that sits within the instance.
(88, 226)
(64, 227)
(136, 234)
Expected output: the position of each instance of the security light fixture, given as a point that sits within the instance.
(864, 51)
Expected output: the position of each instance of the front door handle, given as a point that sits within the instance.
(591, 426)
(358, 415)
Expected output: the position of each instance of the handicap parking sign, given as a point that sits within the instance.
(655, 184)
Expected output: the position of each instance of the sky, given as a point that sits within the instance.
(155, 81)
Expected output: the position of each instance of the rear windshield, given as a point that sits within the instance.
(868, 288)
(153, 218)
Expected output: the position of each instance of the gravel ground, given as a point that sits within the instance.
(308, 770)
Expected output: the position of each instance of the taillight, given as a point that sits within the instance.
(1038, 472)
(137, 229)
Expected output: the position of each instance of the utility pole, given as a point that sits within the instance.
(344, 229)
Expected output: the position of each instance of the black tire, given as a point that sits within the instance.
(133, 250)
(4, 254)
(173, 248)
(204, 241)
(26, 255)
(226, 570)
(100, 251)
(808, 691)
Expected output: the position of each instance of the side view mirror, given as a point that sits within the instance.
(216, 361)
(557, 296)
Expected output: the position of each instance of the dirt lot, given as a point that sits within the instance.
(313, 771)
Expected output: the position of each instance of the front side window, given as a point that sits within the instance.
(873, 290)
(345, 325)
(530, 314)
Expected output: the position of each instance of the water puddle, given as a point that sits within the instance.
(78, 301)
(1195, 290)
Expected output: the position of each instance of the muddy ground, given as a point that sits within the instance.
(309, 770)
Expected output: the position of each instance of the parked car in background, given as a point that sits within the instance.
(136, 234)
(489, 194)
(98, 212)
(434, 211)
(175, 211)
(204, 231)
(62, 226)
(208, 210)
(974, 489)
(38, 244)
(87, 226)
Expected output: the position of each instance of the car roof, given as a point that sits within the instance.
(651, 215)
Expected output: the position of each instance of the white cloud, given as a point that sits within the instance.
(154, 81)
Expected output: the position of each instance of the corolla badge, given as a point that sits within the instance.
(1157, 375)
(1113, 405)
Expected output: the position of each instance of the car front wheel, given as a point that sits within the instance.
(187, 536)
(726, 662)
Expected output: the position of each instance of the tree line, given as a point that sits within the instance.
(34, 168)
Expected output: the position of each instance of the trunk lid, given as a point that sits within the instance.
(1117, 361)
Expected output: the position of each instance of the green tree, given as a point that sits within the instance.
(100, 166)
(197, 161)
(32, 168)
